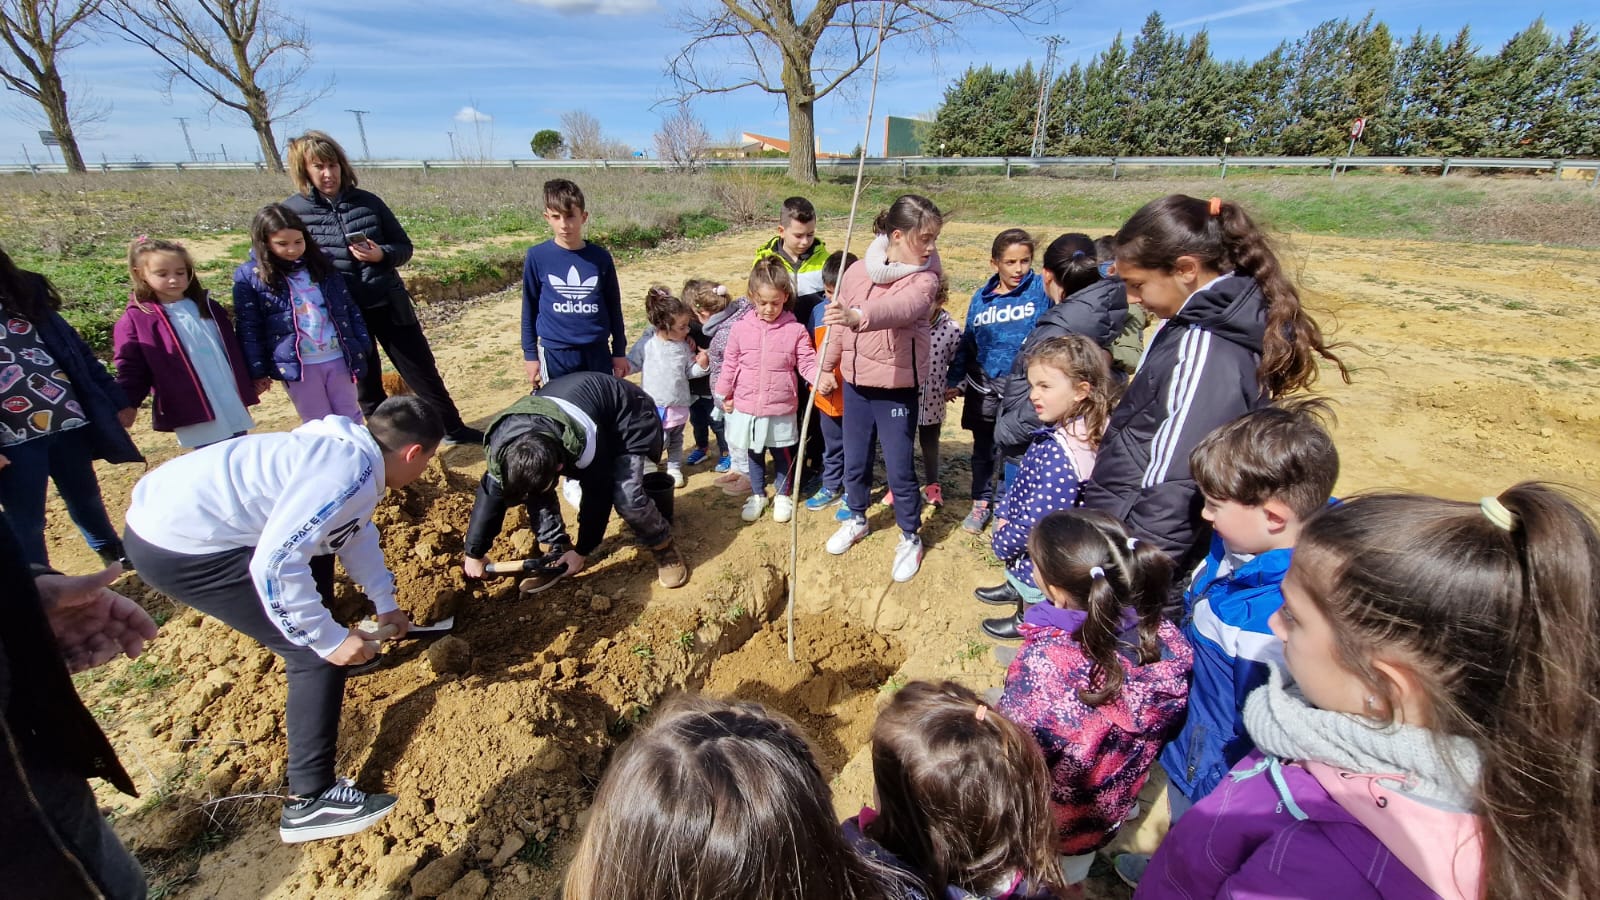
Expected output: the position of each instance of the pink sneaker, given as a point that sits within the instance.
(738, 487)
(934, 494)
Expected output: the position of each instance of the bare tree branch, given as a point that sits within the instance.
(732, 43)
(38, 32)
(242, 54)
(683, 139)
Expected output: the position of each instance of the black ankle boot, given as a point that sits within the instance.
(1002, 594)
(113, 553)
(1005, 628)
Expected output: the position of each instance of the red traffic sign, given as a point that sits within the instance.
(1358, 126)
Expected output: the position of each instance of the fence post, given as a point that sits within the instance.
(1224, 167)
(1115, 166)
(1560, 164)
(1333, 168)
(1008, 168)
(1446, 172)
(903, 167)
(424, 168)
(1595, 182)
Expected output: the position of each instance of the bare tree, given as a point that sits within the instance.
(683, 139)
(37, 33)
(582, 131)
(766, 47)
(243, 54)
(585, 140)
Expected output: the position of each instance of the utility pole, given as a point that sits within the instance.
(1047, 75)
(361, 126)
(184, 123)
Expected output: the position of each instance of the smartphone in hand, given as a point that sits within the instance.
(356, 238)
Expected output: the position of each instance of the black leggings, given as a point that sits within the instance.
(219, 585)
(408, 349)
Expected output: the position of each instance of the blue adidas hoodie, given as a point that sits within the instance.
(570, 298)
(997, 324)
(1226, 624)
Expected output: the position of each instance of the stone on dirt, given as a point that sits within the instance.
(450, 655)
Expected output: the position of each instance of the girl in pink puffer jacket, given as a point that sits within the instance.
(757, 378)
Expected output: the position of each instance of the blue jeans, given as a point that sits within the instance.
(893, 412)
(65, 458)
(833, 451)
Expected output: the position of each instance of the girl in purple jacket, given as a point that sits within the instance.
(1439, 738)
(1101, 679)
(176, 345)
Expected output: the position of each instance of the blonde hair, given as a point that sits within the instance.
(1081, 359)
(317, 145)
(142, 247)
(770, 272)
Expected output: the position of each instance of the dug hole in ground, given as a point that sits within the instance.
(1470, 376)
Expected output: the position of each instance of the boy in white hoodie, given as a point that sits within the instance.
(246, 530)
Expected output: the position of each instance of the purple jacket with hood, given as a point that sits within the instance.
(1360, 812)
(150, 360)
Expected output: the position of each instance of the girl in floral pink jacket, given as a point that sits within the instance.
(1101, 679)
(757, 380)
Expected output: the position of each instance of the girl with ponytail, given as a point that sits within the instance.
(1233, 336)
(1439, 738)
(1101, 679)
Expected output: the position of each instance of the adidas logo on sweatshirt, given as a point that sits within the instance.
(575, 287)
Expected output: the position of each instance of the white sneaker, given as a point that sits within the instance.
(677, 476)
(753, 508)
(782, 508)
(573, 492)
(848, 535)
(651, 468)
(907, 558)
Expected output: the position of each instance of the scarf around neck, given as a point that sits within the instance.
(880, 270)
(1439, 769)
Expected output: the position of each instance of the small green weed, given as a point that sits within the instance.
(894, 684)
(536, 853)
(643, 651)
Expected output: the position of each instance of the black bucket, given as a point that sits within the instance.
(659, 487)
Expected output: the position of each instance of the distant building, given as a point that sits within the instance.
(751, 145)
(904, 137)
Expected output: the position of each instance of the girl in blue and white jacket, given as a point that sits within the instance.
(1072, 393)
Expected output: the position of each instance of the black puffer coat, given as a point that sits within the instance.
(371, 284)
(1097, 312)
(1199, 374)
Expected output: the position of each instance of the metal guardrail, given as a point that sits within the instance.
(907, 164)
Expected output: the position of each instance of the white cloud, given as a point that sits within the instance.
(470, 116)
(1244, 10)
(600, 7)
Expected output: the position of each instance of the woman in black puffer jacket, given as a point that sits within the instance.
(333, 208)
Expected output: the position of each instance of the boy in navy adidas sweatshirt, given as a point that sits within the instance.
(1001, 314)
(570, 297)
(1262, 476)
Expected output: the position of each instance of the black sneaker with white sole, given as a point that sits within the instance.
(340, 810)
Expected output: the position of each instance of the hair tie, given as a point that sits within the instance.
(1216, 206)
(1496, 512)
(982, 713)
(142, 239)
(1133, 543)
(720, 290)
(1096, 572)
(1078, 253)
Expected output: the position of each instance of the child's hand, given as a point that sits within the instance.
(840, 315)
(262, 385)
(999, 524)
(619, 366)
(532, 368)
(353, 651)
(952, 394)
(367, 253)
(727, 406)
(400, 621)
(126, 416)
(826, 383)
(4, 461)
(472, 567)
(574, 561)
(702, 359)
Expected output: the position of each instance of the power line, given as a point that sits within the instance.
(361, 126)
(1047, 77)
(184, 123)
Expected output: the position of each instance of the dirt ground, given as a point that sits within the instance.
(1474, 368)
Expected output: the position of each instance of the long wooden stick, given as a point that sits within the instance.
(827, 335)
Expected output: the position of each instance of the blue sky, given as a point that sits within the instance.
(494, 73)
